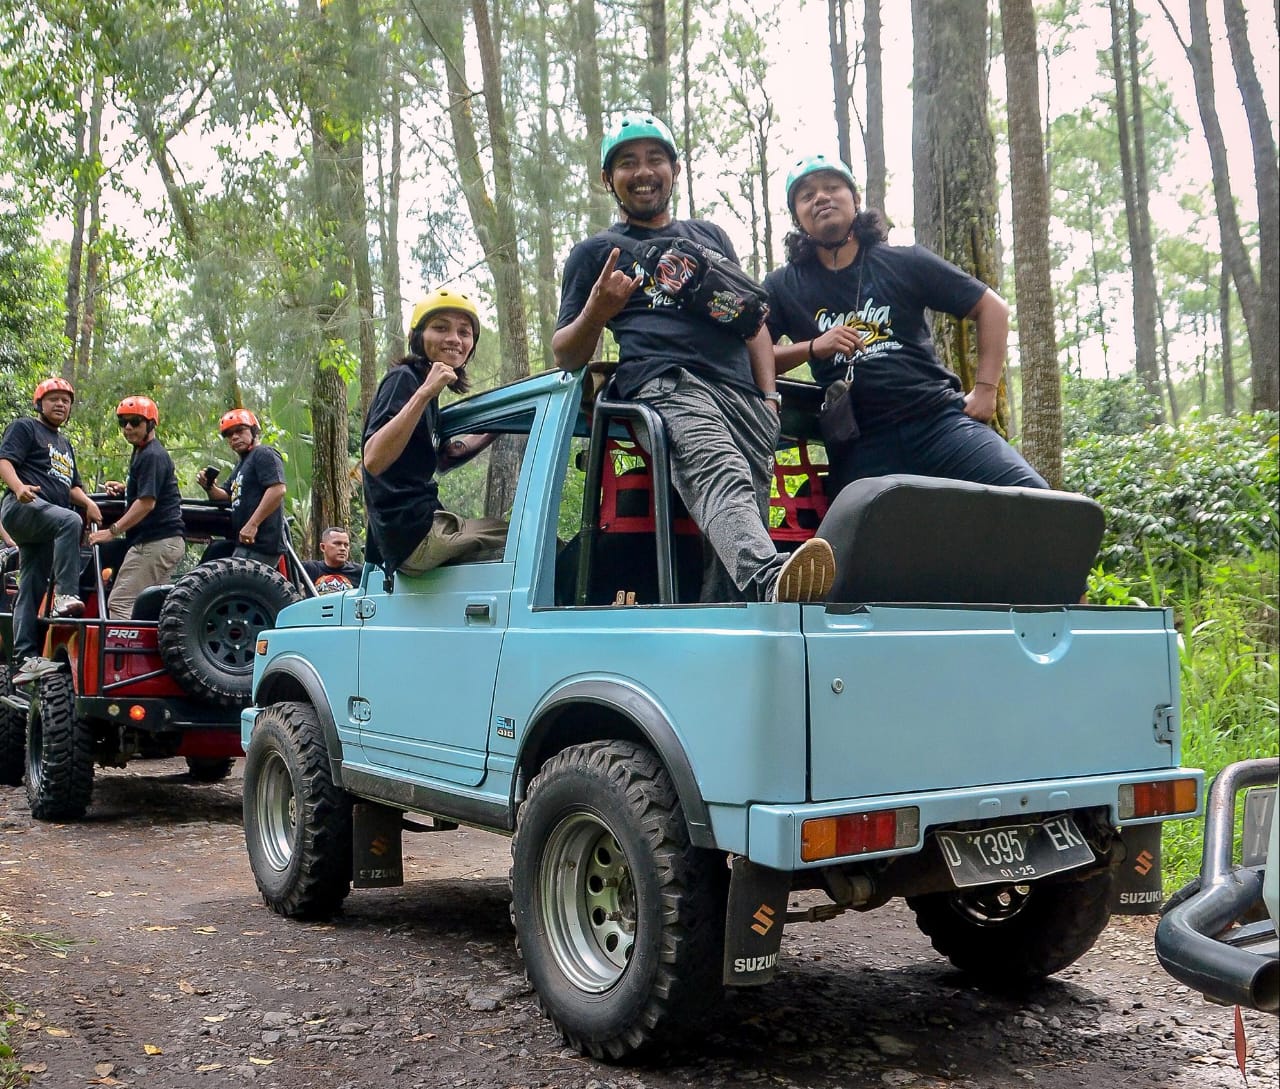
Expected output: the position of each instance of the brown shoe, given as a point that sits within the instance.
(808, 573)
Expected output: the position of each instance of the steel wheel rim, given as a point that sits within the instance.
(35, 747)
(588, 903)
(992, 906)
(231, 633)
(277, 812)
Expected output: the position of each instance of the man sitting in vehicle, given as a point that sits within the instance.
(38, 466)
(152, 521)
(333, 573)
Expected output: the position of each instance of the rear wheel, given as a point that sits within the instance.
(620, 919)
(209, 769)
(210, 623)
(59, 752)
(297, 822)
(1012, 935)
(13, 737)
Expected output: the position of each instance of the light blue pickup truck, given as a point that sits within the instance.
(953, 726)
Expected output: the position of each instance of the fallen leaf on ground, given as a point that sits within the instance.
(204, 1068)
(260, 1062)
(215, 1018)
(151, 1049)
(59, 1032)
(156, 929)
(102, 892)
(205, 930)
(104, 1069)
(34, 1068)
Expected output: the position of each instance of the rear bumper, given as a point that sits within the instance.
(158, 715)
(774, 831)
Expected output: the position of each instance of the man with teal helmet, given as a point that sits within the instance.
(636, 126)
(853, 307)
(715, 393)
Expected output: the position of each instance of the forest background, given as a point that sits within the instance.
(236, 202)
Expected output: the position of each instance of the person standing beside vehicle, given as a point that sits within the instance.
(255, 490)
(409, 530)
(714, 390)
(333, 573)
(854, 307)
(152, 521)
(38, 466)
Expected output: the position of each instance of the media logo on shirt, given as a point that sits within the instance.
(335, 583)
(236, 482)
(872, 323)
(62, 465)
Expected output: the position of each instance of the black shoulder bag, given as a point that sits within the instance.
(701, 281)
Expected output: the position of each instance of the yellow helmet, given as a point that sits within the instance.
(444, 299)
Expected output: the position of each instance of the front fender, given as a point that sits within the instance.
(292, 677)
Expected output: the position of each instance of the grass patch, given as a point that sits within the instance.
(13, 942)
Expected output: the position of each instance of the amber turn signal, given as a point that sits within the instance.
(859, 833)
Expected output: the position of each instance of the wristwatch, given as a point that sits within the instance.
(775, 397)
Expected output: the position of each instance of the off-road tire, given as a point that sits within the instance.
(59, 752)
(619, 918)
(1010, 936)
(209, 769)
(210, 623)
(13, 738)
(297, 822)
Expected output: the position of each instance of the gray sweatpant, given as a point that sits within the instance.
(722, 442)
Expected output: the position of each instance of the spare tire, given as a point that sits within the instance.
(210, 623)
(13, 738)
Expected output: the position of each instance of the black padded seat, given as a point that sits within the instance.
(148, 603)
(909, 538)
(217, 549)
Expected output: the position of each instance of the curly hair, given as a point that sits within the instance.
(869, 228)
(417, 358)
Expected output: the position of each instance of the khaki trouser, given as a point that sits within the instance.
(147, 564)
(452, 539)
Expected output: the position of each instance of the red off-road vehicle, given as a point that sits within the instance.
(170, 681)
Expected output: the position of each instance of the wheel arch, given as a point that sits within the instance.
(292, 677)
(604, 710)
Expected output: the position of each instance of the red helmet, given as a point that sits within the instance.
(49, 385)
(237, 417)
(139, 406)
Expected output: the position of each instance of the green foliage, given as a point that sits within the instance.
(1178, 498)
(1105, 406)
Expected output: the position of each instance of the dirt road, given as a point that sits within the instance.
(175, 976)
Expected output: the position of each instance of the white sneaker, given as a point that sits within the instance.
(808, 573)
(34, 668)
(65, 605)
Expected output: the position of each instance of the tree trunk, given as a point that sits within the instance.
(591, 103)
(546, 294)
(389, 180)
(687, 106)
(953, 158)
(877, 172)
(1144, 324)
(1266, 174)
(75, 260)
(1200, 55)
(1037, 346)
(88, 337)
(842, 88)
(658, 76)
(1224, 324)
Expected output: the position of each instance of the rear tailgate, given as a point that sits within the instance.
(913, 698)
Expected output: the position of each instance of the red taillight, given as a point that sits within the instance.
(137, 712)
(859, 833)
(1162, 799)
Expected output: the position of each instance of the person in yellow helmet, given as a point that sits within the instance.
(409, 530)
(152, 519)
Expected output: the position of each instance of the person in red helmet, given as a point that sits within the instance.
(255, 489)
(152, 520)
(38, 466)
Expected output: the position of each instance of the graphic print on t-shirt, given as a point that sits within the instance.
(872, 323)
(236, 482)
(62, 464)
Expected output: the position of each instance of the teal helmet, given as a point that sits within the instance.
(812, 164)
(635, 126)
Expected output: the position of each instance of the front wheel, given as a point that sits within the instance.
(59, 752)
(1012, 935)
(297, 822)
(619, 918)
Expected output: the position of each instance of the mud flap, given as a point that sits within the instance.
(1138, 887)
(753, 923)
(376, 858)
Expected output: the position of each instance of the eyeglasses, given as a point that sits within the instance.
(131, 421)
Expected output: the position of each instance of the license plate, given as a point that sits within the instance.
(1019, 852)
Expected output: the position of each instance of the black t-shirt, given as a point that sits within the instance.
(42, 458)
(151, 476)
(332, 580)
(654, 334)
(402, 500)
(899, 375)
(260, 468)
